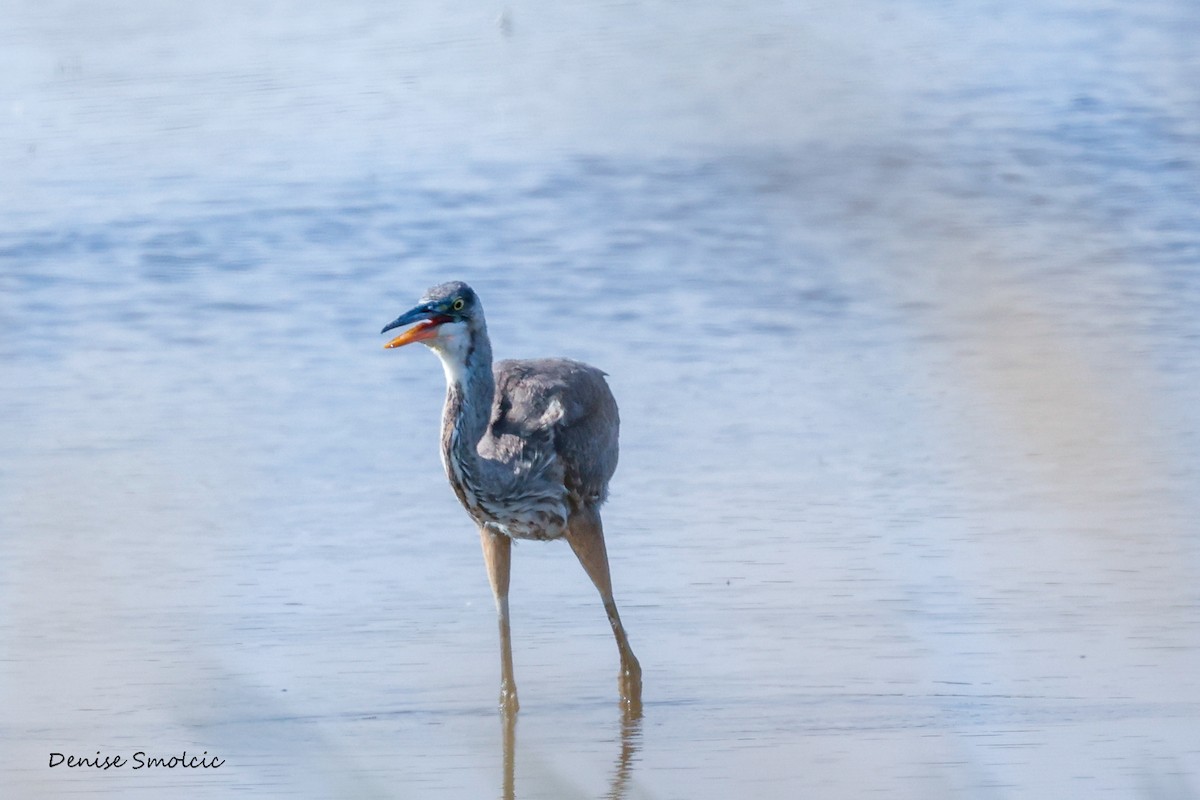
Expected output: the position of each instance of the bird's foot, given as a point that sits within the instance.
(508, 698)
(629, 684)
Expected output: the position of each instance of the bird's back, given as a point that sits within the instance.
(565, 408)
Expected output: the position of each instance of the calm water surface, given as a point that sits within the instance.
(900, 307)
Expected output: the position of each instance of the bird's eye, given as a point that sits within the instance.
(458, 304)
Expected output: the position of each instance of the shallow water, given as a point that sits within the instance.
(899, 305)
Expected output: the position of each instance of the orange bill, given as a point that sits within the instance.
(426, 329)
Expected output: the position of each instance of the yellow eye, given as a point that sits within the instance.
(458, 304)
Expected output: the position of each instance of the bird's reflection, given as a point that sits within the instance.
(509, 720)
(631, 739)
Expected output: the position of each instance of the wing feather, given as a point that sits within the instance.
(559, 408)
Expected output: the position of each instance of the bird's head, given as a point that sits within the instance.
(448, 318)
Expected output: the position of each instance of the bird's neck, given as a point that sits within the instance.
(470, 389)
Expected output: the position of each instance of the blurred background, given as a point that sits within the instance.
(899, 302)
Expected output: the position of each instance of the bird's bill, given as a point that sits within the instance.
(426, 329)
(427, 320)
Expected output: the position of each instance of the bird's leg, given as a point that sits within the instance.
(586, 535)
(497, 556)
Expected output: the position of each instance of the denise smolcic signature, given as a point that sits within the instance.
(139, 760)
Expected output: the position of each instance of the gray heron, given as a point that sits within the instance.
(529, 447)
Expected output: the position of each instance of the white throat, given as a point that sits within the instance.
(452, 344)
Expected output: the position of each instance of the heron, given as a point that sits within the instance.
(529, 447)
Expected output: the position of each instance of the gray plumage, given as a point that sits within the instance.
(524, 443)
(529, 447)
